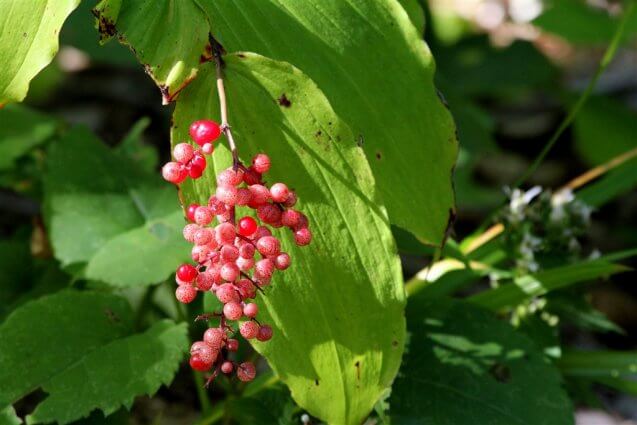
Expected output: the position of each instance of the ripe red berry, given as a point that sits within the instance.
(246, 372)
(204, 351)
(279, 192)
(247, 226)
(251, 176)
(269, 246)
(303, 236)
(227, 367)
(205, 281)
(250, 310)
(291, 201)
(261, 163)
(290, 218)
(282, 261)
(204, 131)
(174, 172)
(260, 194)
(269, 213)
(233, 311)
(249, 330)
(187, 273)
(190, 212)
(185, 294)
(265, 333)
(246, 250)
(194, 171)
(233, 344)
(199, 160)
(198, 364)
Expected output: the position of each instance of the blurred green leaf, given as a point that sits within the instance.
(114, 375)
(29, 41)
(544, 335)
(133, 146)
(8, 416)
(598, 364)
(102, 209)
(22, 129)
(529, 286)
(616, 182)
(45, 337)
(576, 310)
(334, 373)
(272, 406)
(460, 355)
(627, 386)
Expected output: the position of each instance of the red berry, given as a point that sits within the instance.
(303, 236)
(226, 293)
(261, 163)
(189, 232)
(225, 233)
(232, 310)
(199, 160)
(190, 212)
(174, 172)
(246, 251)
(185, 294)
(279, 192)
(260, 194)
(229, 272)
(183, 153)
(197, 363)
(247, 226)
(245, 264)
(215, 338)
(282, 261)
(203, 216)
(233, 344)
(204, 131)
(251, 176)
(227, 367)
(229, 177)
(205, 281)
(269, 213)
(291, 201)
(187, 273)
(249, 330)
(246, 288)
(251, 310)
(290, 218)
(246, 372)
(269, 246)
(203, 236)
(264, 268)
(204, 351)
(244, 196)
(227, 195)
(265, 333)
(229, 253)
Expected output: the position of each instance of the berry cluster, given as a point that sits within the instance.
(224, 255)
(188, 160)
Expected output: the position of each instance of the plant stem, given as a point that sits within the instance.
(609, 54)
(223, 106)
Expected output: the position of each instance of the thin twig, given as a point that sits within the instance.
(600, 170)
(609, 54)
(223, 106)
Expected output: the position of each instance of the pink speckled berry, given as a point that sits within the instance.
(249, 330)
(232, 310)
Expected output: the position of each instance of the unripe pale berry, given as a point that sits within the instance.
(207, 148)
(246, 250)
(265, 333)
(279, 192)
(227, 195)
(260, 194)
(229, 177)
(269, 246)
(232, 310)
(245, 264)
(227, 367)
(264, 268)
(205, 281)
(303, 236)
(247, 226)
(227, 293)
(183, 152)
(203, 216)
(233, 344)
(198, 364)
(251, 310)
(246, 288)
(205, 351)
(282, 261)
(225, 233)
(174, 172)
(246, 372)
(249, 330)
(216, 206)
(229, 272)
(215, 338)
(204, 131)
(261, 163)
(200, 253)
(185, 294)
(187, 273)
(189, 232)
(229, 253)
(190, 212)
(269, 213)
(261, 232)
(203, 236)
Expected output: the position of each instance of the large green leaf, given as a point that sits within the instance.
(104, 211)
(463, 366)
(113, 375)
(373, 66)
(21, 129)
(8, 416)
(48, 335)
(338, 311)
(169, 37)
(28, 41)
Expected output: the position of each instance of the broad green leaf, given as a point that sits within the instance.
(22, 129)
(169, 37)
(337, 313)
(45, 337)
(463, 366)
(8, 416)
(385, 93)
(416, 14)
(112, 376)
(533, 285)
(102, 209)
(599, 364)
(272, 406)
(28, 41)
(132, 145)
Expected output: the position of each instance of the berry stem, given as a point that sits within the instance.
(223, 106)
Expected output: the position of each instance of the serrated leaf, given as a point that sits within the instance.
(337, 313)
(48, 335)
(385, 93)
(22, 129)
(169, 37)
(103, 210)
(463, 366)
(112, 376)
(28, 41)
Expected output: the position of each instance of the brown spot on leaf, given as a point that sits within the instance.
(241, 55)
(316, 382)
(394, 343)
(318, 133)
(284, 101)
(500, 372)
(206, 56)
(358, 370)
(112, 317)
(379, 156)
(360, 141)
(105, 26)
